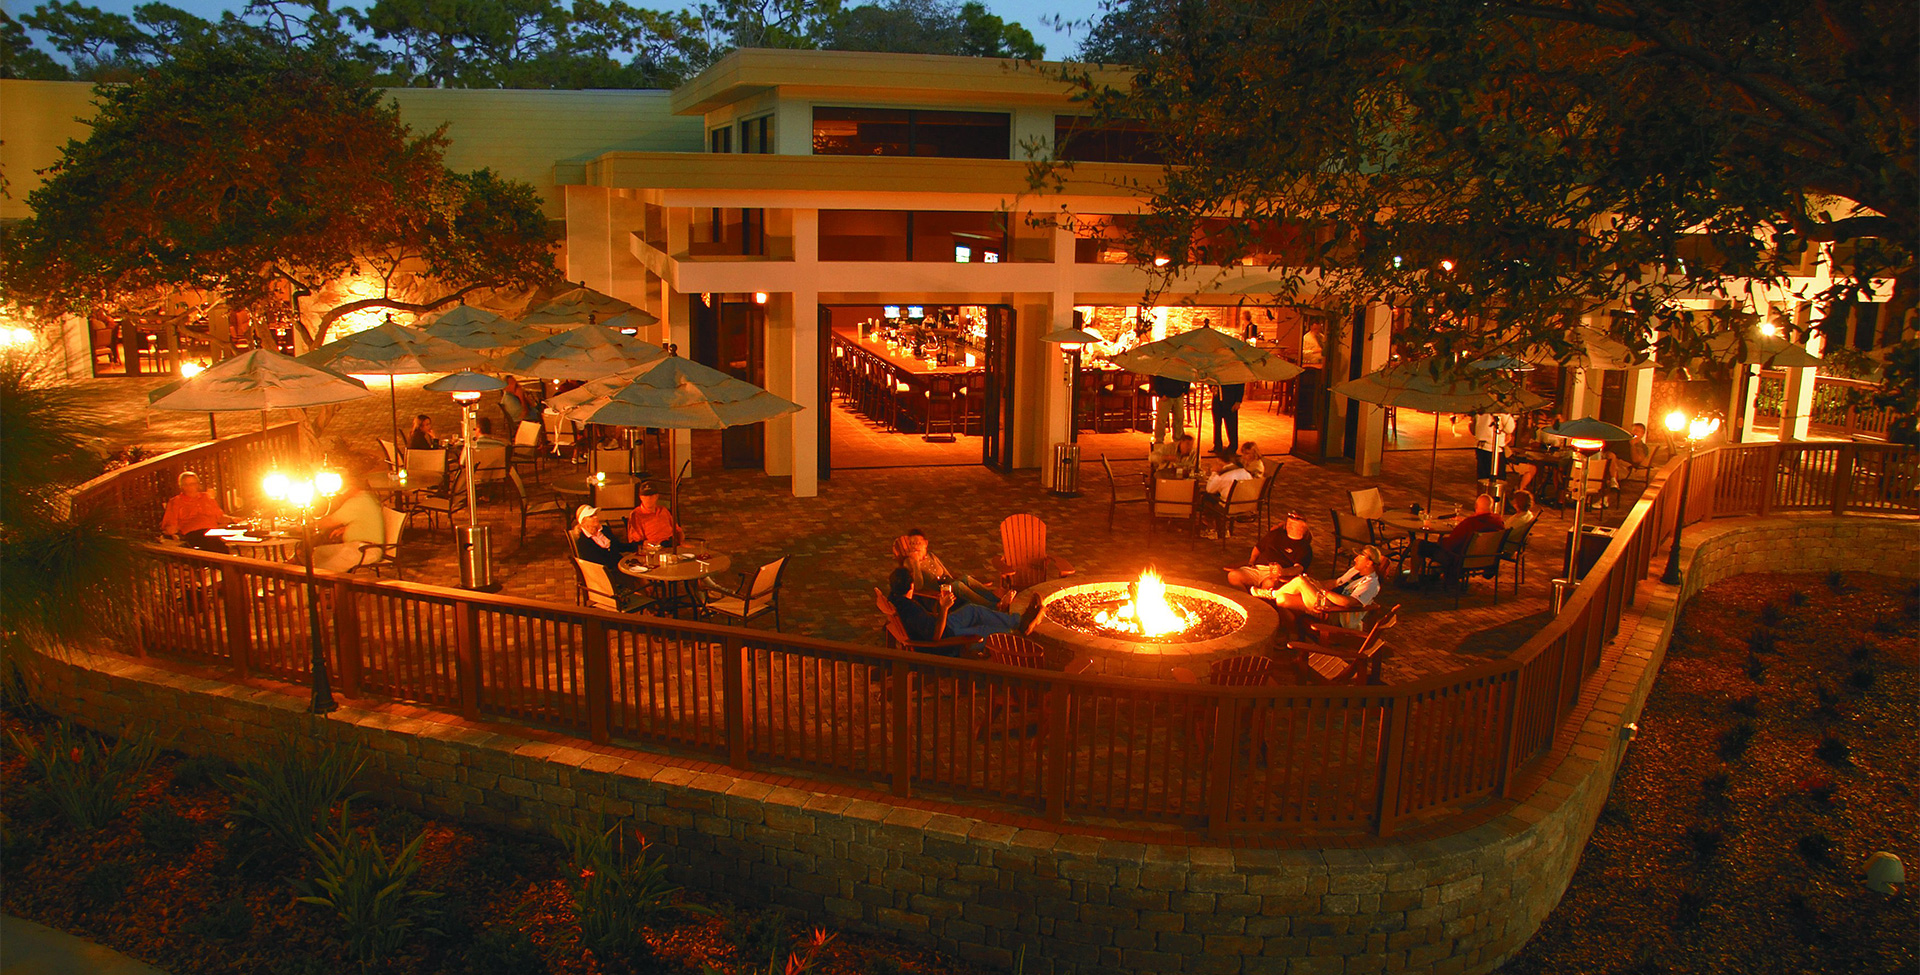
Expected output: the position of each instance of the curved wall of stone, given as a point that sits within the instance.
(1457, 897)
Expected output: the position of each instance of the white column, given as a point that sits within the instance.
(780, 344)
(1339, 357)
(1796, 411)
(1638, 388)
(1745, 386)
(1055, 386)
(807, 393)
(1372, 347)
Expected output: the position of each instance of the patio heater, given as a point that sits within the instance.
(305, 495)
(473, 547)
(1697, 429)
(1066, 454)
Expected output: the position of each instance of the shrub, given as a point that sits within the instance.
(617, 889)
(1833, 751)
(1827, 697)
(290, 792)
(1748, 705)
(1821, 789)
(106, 883)
(1705, 840)
(505, 949)
(1862, 651)
(1756, 669)
(1862, 677)
(1815, 846)
(367, 890)
(1734, 742)
(1837, 581)
(200, 771)
(1798, 597)
(230, 921)
(1763, 641)
(166, 831)
(89, 784)
(1770, 614)
(1714, 786)
(758, 935)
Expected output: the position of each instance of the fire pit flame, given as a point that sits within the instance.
(1147, 612)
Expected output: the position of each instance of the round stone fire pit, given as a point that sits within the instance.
(1091, 616)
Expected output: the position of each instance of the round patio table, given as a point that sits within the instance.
(583, 485)
(679, 580)
(1418, 528)
(272, 547)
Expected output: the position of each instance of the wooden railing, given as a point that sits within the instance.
(1226, 760)
(1836, 410)
(135, 496)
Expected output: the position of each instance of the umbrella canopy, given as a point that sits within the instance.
(677, 394)
(584, 306)
(481, 330)
(1411, 383)
(1071, 336)
(258, 380)
(1766, 351)
(1588, 428)
(1587, 348)
(466, 382)
(1206, 355)
(587, 352)
(393, 350)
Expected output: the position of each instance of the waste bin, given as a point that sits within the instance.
(1593, 541)
(474, 550)
(1066, 470)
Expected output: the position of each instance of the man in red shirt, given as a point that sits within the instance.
(651, 524)
(1448, 550)
(191, 512)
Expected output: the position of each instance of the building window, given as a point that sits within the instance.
(911, 132)
(756, 134)
(932, 236)
(729, 232)
(720, 140)
(1077, 139)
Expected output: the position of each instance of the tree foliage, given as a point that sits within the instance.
(929, 27)
(255, 177)
(1561, 157)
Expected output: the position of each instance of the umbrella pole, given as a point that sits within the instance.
(393, 411)
(1433, 460)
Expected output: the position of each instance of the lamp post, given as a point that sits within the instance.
(304, 494)
(1697, 429)
(473, 545)
(1586, 449)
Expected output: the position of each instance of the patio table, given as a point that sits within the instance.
(680, 580)
(582, 486)
(1418, 528)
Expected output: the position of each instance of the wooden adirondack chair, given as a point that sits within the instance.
(1022, 708)
(1339, 660)
(1023, 557)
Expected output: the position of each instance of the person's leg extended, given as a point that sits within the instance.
(971, 620)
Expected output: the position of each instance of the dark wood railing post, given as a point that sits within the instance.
(1510, 735)
(1842, 479)
(900, 739)
(1770, 477)
(1393, 764)
(599, 679)
(346, 639)
(466, 652)
(233, 596)
(1220, 748)
(1059, 699)
(733, 699)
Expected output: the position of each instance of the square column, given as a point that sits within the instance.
(1373, 344)
(1056, 386)
(1638, 387)
(1796, 410)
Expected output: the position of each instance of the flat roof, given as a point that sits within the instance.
(748, 72)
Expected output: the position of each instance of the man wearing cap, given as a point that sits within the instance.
(1281, 554)
(593, 545)
(650, 523)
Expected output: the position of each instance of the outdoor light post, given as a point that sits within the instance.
(473, 543)
(304, 495)
(1066, 454)
(1697, 429)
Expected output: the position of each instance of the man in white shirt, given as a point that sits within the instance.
(1491, 432)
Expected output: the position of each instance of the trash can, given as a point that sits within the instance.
(1593, 541)
(1066, 470)
(474, 550)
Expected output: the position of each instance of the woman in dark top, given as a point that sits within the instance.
(1281, 554)
(421, 436)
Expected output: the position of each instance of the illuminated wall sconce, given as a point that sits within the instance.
(759, 297)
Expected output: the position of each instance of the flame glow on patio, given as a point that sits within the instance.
(1147, 610)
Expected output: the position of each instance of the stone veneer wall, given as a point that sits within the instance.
(979, 888)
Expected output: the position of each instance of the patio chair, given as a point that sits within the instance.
(529, 508)
(560, 435)
(1367, 503)
(613, 460)
(595, 589)
(615, 501)
(1514, 549)
(1023, 557)
(387, 553)
(1266, 494)
(393, 455)
(1480, 557)
(1174, 499)
(1350, 531)
(1241, 504)
(1247, 670)
(449, 499)
(751, 596)
(526, 445)
(1328, 664)
(897, 638)
(425, 468)
(489, 466)
(1027, 704)
(1116, 496)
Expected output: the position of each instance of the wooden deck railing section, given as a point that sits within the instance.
(1226, 760)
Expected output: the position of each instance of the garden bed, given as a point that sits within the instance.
(1776, 752)
(171, 880)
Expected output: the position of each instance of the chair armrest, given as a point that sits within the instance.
(1060, 565)
(1331, 635)
(1306, 648)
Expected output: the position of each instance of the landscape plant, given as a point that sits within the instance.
(290, 791)
(85, 780)
(370, 892)
(618, 889)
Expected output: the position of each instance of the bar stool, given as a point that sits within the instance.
(939, 409)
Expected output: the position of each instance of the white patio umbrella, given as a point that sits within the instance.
(1586, 348)
(584, 306)
(480, 330)
(1206, 355)
(583, 353)
(393, 350)
(1414, 384)
(1766, 351)
(262, 380)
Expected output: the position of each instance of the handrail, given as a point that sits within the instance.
(753, 698)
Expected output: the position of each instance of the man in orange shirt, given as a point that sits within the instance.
(651, 524)
(191, 512)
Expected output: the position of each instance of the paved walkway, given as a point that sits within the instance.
(838, 541)
(27, 948)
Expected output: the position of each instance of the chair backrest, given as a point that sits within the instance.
(1349, 527)
(1173, 497)
(1483, 550)
(427, 461)
(599, 588)
(1242, 671)
(1367, 503)
(391, 524)
(890, 618)
(766, 583)
(1517, 536)
(613, 461)
(1023, 539)
(1014, 650)
(488, 462)
(527, 434)
(393, 454)
(519, 486)
(1243, 497)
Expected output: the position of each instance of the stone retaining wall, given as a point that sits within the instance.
(982, 886)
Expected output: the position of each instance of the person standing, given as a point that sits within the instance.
(1491, 432)
(1170, 408)
(1226, 412)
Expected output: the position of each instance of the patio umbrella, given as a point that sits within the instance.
(584, 306)
(1413, 384)
(393, 350)
(480, 330)
(258, 380)
(1765, 351)
(1587, 348)
(1206, 355)
(584, 353)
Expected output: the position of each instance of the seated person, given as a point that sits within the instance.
(947, 619)
(1523, 513)
(1302, 601)
(1447, 551)
(1625, 455)
(591, 544)
(1247, 463)
(910, 552)
(421, 437)
(485, 436)
(1174, 458)
(355, 523)
(191, 512)
(1281, 554)
(650, 523)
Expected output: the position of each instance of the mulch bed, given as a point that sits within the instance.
(1776, 753)
(204, 908)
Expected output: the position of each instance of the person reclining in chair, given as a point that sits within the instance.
(947, 619)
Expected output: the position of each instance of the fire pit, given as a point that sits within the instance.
(1145, 626)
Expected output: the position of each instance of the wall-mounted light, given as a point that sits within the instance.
(759, 297)
(1161, 262)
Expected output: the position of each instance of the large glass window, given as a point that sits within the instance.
(720, 140)
(1077, 139)
(911, 132)
(865, 235)
(756, 134)
(937, 236)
